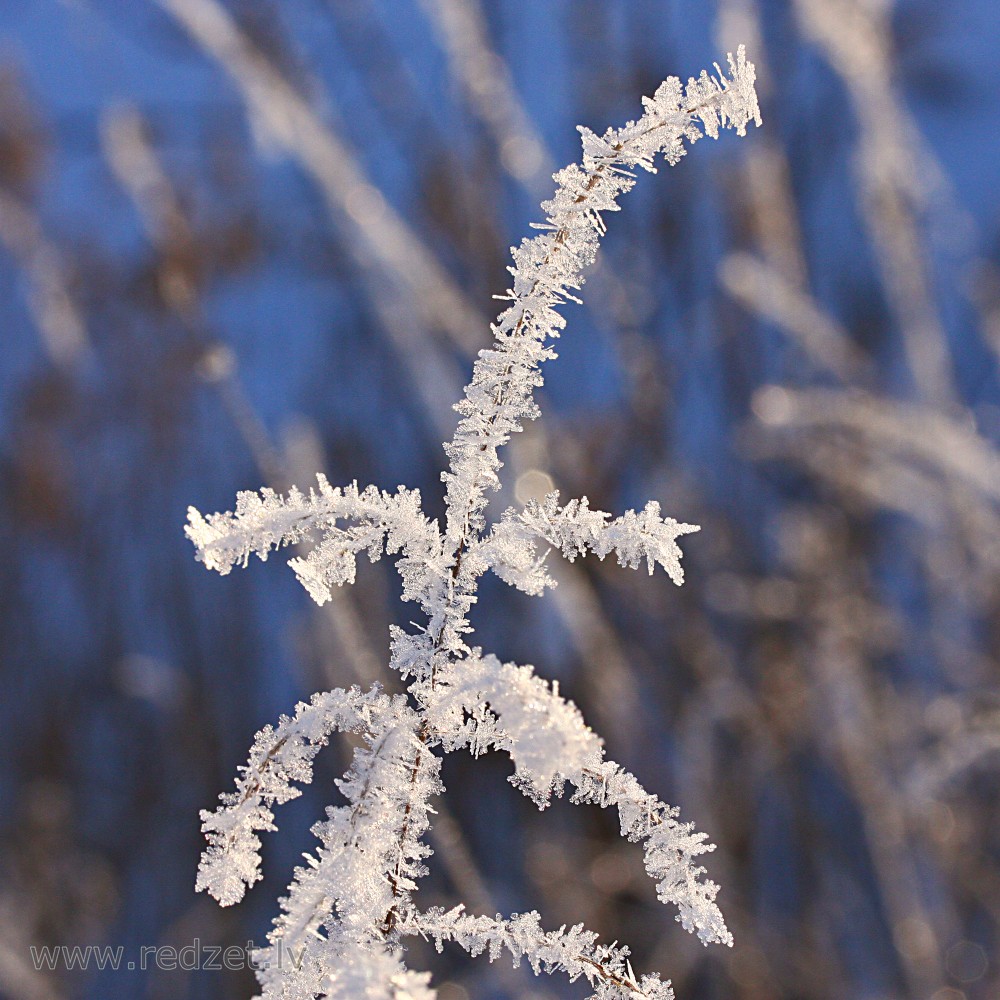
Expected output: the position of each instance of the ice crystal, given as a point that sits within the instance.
(350, 907)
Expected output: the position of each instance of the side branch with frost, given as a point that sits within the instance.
(349, 909)
(574, 530)
(573, 950)
(279, 756)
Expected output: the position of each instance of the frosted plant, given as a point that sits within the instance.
(341, 928)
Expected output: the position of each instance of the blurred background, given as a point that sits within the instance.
(242, 242)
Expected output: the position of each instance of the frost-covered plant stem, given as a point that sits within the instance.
(346, 913)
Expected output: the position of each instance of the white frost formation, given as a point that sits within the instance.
(342, 923)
